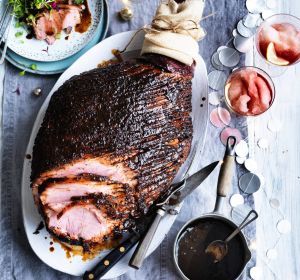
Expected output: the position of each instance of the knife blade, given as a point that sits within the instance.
(191, 183)
(180, 191)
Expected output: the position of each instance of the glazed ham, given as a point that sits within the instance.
(111, 142)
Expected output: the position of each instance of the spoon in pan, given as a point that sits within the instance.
(218, 249)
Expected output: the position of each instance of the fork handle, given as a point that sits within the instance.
(5, 37)
(139, 254)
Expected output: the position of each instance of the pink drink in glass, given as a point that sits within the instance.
(278, 40)
(249, 91)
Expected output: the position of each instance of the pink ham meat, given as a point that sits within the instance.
(51, 23)
(96, 201)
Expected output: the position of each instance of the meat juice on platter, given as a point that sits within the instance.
(249, 91)
(279, 41)
(113, 139)
(198, 265)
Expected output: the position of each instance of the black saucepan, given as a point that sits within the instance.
(189, 248)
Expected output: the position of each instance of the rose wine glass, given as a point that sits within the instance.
(278, 43)
(249, 91)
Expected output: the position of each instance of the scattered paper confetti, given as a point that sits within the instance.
(243, 30)
(255, 6)
(221, 48)
(249, 183)
(213, 98)
(236, 200)
(250, 20)
(240, 160)
(224, 115)
(272, 254)
(215, 61)
(274, 203)
(242, 44)
(263, 143)
(242, 149)
(220, 117)
(217, 80)
(253, 245)
(251, 165)
(230, 132)
(284, 226)
(256, 273)
(229, 57)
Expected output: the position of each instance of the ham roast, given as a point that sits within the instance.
(111, 142)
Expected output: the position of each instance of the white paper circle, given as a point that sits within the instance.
(274, 203)
(250, 20)
(236, 200)
(284, 226)
(272, 254)
(251, 165)
(216, 80)
(242, 44)
(213, 98)
(256, 273)
(255, 6)
(243, 30)
(242, 149)
(216, 62)
(229, 57)
(240, 160)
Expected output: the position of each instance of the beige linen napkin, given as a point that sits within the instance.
(175, 30)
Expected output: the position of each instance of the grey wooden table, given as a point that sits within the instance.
(280, 164)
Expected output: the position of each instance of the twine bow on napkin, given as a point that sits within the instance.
(175, 30)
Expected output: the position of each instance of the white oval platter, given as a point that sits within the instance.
(31, 217)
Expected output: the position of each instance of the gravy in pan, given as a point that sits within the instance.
(196, 264)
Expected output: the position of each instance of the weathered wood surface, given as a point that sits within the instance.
(280, 165)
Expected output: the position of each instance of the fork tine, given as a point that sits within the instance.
(3, 18)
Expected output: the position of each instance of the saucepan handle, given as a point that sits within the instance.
(226, 172)
(139, 255)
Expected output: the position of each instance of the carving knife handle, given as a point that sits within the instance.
(139, 255)
(226, 172)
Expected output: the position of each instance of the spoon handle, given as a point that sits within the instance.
(244, 223)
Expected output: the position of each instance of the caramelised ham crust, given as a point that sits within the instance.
(128, 123)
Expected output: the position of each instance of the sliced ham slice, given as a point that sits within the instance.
(91, 223)
(51, 23)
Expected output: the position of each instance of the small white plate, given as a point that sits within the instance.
(31, 217)
(40, 51)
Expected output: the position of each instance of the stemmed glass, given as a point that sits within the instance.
(249, 91)
(277, 41)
